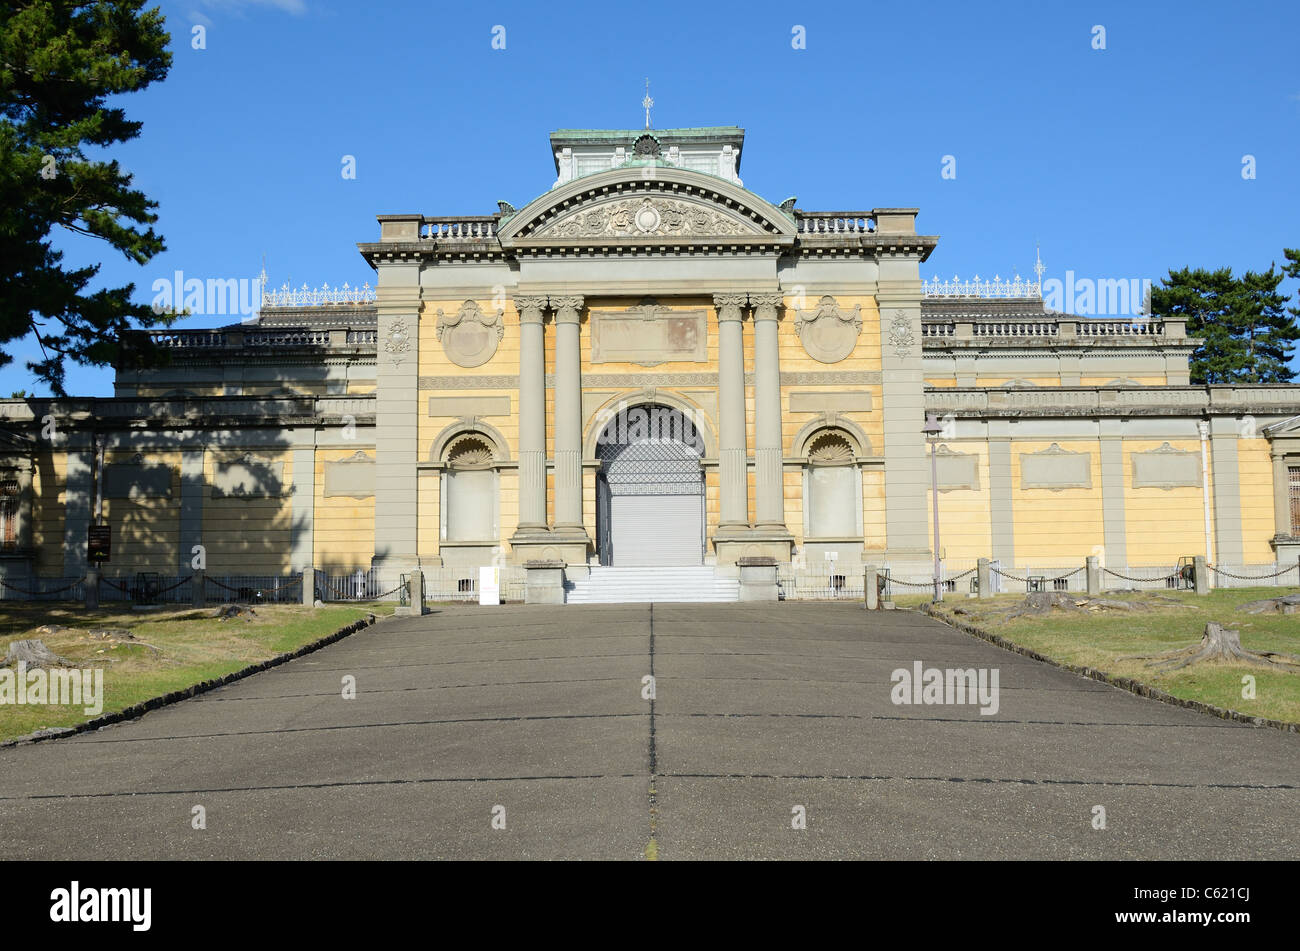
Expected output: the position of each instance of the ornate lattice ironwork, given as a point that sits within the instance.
(645, 450)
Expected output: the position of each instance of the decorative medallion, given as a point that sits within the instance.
(646, 146)
(398, 343)
(470, 337)
(829, 333)
(900, 333)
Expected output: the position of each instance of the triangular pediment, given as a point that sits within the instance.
(626, 205)
(1285, 427)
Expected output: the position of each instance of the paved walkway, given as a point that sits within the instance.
(758, 710)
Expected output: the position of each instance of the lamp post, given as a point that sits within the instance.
(932, 429)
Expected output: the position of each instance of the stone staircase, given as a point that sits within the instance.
(614, 585)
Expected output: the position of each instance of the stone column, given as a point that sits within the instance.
(532, 416)
(568, 414)
(733, 512)
(769, 489)
(1281, 494)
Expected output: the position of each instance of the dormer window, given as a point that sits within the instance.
(646, 146)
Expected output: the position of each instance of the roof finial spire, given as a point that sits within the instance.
(646, 103)
(1038, 263)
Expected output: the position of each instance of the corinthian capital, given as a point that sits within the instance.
(730, 306)
(530, 309)
(767, 305)
(567, 309)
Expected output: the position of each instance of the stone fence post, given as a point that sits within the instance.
(984, 576)
(309, 587)
(1200, 575)
(90, 588)
(871, 587)
(1092, 569)
(198, 589)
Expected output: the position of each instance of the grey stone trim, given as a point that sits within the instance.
(77, 511)
(793, 378)
(191, 514)
(1114, 401)
(1001, 520)
(302, 526)
(1114, 524)
(1226, 479)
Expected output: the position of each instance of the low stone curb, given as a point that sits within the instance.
(135, 711)
(1123, 683)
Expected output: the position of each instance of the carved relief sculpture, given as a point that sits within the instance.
(470, 337)
(829, 333)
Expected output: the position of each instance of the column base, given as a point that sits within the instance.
(570, 546)
(752, 543)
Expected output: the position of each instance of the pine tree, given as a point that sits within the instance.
(1205, 300)
(59, 63)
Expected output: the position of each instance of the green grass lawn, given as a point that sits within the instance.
(193, 647)
(1101, 640)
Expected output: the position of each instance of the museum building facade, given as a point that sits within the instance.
(651, 366)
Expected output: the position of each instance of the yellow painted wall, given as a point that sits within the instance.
(964, 514)
(1258, 521)
(344, 536)
(146, 531)
(1162, 525)
(1055, 527)
(248, 536)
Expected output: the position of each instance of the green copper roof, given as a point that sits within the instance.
(693, 131)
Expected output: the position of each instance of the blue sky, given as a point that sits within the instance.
(1122, 162)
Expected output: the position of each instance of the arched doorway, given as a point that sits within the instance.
(650, 489)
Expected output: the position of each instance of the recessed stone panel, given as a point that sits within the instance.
(460, 406)
(833, 401)
(957, 470)
(248, 478)
(353, 477)
(1166, 468)
(137, 480)
(649, 334)
(1056, 469)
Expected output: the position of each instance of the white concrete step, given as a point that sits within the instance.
(618, 585)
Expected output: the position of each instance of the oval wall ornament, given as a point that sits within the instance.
(470, 337)
(829, 333)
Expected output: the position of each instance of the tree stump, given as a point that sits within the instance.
(1219, 643)
(35, 654)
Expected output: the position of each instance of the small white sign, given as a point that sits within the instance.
(489, 585)
(831, 555)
